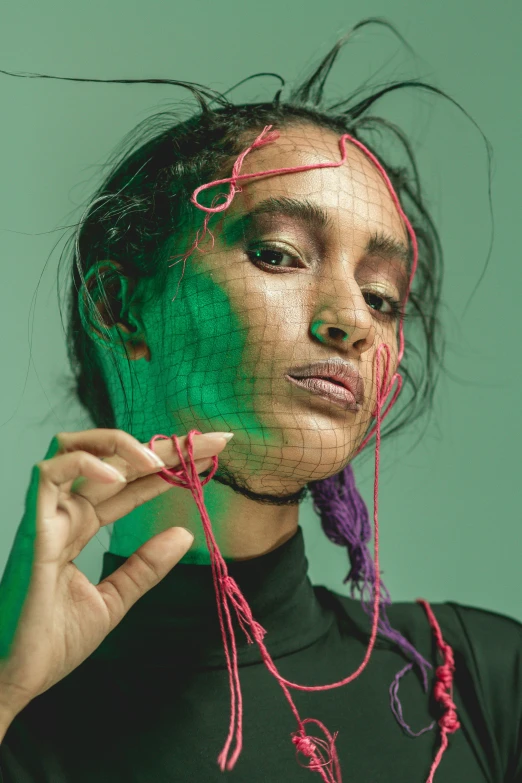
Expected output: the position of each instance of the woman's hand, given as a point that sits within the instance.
(51, 616)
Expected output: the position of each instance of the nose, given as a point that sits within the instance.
(343, 321)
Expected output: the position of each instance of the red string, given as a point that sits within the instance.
(443, 688)
(322, 753)
(263, 138)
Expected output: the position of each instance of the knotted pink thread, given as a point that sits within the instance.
(263, 138)
(226, 588)
(443, 688)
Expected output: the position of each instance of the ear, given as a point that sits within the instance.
(113, 324)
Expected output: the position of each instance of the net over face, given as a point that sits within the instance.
(301, 268)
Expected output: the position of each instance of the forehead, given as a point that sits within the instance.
(354, 193)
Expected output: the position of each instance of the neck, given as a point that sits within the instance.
(243, 527)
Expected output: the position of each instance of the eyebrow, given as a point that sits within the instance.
(379, 243)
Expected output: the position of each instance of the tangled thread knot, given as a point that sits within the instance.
(442, 691)
(313, 747)
(443, 688)
(304, 745)
(243, 613)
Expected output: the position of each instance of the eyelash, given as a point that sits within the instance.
(396, 309)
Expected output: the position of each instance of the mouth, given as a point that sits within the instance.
(336, 380)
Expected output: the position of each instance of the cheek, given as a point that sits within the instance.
(203, 330)
(269, 308)
(229, 323)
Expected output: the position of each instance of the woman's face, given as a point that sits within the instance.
(279, 289)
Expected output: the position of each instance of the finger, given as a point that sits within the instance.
(86, 521)
(137, 493)
(142, 571)
(107, 443)
(205, 446)
(49, 477)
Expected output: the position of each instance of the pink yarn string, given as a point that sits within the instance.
(227, 590)
(443, 689)
(263, 138)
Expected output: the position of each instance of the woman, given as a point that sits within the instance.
(269, 309)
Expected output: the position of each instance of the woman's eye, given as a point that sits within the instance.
(391, 306)
(273, 257)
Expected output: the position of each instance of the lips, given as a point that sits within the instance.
(335, 379)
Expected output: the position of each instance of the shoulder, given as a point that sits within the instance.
(490, 642)
(490, 637)
(493, 638)
(487, 647)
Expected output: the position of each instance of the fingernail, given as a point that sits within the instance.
(153, 457)
(115, 473)
(226, 435)
(189, 537)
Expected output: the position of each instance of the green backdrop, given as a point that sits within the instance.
(450, 521)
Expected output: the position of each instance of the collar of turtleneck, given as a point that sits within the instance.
(178, 618)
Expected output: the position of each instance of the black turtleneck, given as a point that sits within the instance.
(151, 704)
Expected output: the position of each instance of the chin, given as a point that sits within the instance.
(284, 468)
(288, 449)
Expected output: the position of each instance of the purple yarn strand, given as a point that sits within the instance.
(396, 705)
(345, 521)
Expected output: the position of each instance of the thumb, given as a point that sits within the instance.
(143, 570)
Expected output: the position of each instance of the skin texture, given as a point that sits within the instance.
(215, 357)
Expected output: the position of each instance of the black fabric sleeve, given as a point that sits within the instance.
(494, 643)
